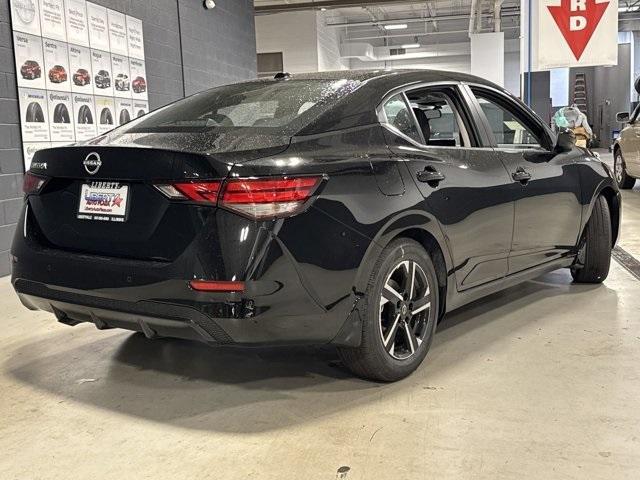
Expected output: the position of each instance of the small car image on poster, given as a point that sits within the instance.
(121, 76)
(80, 72)
(52, 20)
(135, 38)
(84, 117)
(76, 21)
(140, 109)
(105, 114)
(34, 115)
(102, 76)
(56, 65)
(118, 33)
(30, 149)
(98, 27)
(61, 118)
(29, 60)
(25, 16)
(138, 79)
(124, 111)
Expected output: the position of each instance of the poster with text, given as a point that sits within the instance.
(52, 20)
(98, 27)
(102, 77)
(138, 79)
(30, 149)
(140, 108)
(135, 38)
(121, 76)
(118, 32)
(56, 65)
(105, 113)
(34, 115)
(25, 16)
(84, 117)
(29, 60)
(124, 111)
(80, 69)
(76, 21)
(61, 117)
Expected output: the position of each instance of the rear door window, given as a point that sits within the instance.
(398, 116)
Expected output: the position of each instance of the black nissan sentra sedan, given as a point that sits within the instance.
(349, 208)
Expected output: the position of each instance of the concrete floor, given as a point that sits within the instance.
(541, 381)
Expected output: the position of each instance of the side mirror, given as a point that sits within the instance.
(623, 117)
(565, 142)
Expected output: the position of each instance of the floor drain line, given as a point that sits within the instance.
(627, 260)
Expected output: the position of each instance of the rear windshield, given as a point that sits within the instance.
(275, 106)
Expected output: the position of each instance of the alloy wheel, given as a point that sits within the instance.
(619, 168)
(405, 304)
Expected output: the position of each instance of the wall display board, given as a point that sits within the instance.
(80, 71)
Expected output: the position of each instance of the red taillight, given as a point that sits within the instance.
(216, 286)
(196, 191)
(262, 198)
(258, 198)
(33, 183)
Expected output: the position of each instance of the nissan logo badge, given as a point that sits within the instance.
(92, 163)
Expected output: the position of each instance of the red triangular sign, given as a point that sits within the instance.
(577, 20)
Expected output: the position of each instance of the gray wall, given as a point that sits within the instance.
(218, 47)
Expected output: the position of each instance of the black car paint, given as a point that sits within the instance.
(304, 274)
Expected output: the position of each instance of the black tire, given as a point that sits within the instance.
(141, 113)
(623, 179)
(61, 114)
(594, 257)
(34, 113)
(372, 360)
(105, 117)
(125, 117)
(85, 117)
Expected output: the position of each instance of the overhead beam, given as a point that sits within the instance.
(292, 7)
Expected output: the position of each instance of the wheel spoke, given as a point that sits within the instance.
(420, 305)
(390, 340)
(391, 294)
(412, 340)
(413, 279)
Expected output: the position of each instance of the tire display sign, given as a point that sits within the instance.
(84, 116)
(60, 114)
(73, 71)
(105, 114)
(573, 33)
(124, 111)
(34, 115)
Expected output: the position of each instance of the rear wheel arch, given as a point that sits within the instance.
(435, 251)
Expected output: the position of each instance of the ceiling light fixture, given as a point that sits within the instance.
(395, 26)
(411, 45)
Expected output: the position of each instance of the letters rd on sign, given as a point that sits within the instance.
(572, 33)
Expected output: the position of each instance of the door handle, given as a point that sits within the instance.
(431, 176)
(521, 175)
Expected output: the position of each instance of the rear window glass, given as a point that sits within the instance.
(263, 104)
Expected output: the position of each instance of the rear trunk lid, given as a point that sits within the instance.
(100, 198)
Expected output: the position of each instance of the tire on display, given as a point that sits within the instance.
(399, 313)
(595, 251)
(620, 169)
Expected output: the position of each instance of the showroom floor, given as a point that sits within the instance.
(541, 381)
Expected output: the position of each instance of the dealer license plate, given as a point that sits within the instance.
(104, 201)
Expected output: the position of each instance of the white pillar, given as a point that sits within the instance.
(487, 56)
